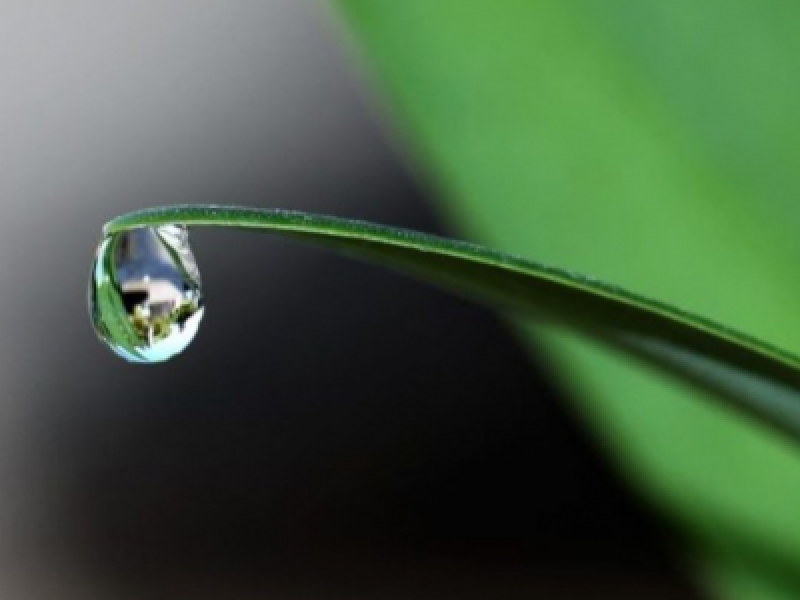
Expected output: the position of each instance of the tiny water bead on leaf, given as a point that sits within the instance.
(145, 299)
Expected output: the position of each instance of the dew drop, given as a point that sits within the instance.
(145, 299)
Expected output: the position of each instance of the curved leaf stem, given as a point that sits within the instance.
(744, 372)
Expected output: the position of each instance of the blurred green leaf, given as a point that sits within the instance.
(649, 143)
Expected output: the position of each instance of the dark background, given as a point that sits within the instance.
(336, 430)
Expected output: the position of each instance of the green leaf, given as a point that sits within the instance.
(741, 371)
(653, 144)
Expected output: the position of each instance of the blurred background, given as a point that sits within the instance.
(336, 430)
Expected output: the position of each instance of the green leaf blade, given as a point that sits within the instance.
(744, 372)
(658, 142)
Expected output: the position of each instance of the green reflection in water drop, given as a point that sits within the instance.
(145, 299)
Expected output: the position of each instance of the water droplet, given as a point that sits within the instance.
(145, 300)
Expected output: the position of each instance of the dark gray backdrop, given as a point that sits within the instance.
(336, 430)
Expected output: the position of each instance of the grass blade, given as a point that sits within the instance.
(740, 370)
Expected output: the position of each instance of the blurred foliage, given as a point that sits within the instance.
(650, 143)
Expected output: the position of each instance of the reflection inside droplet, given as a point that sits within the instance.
(145, 299)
